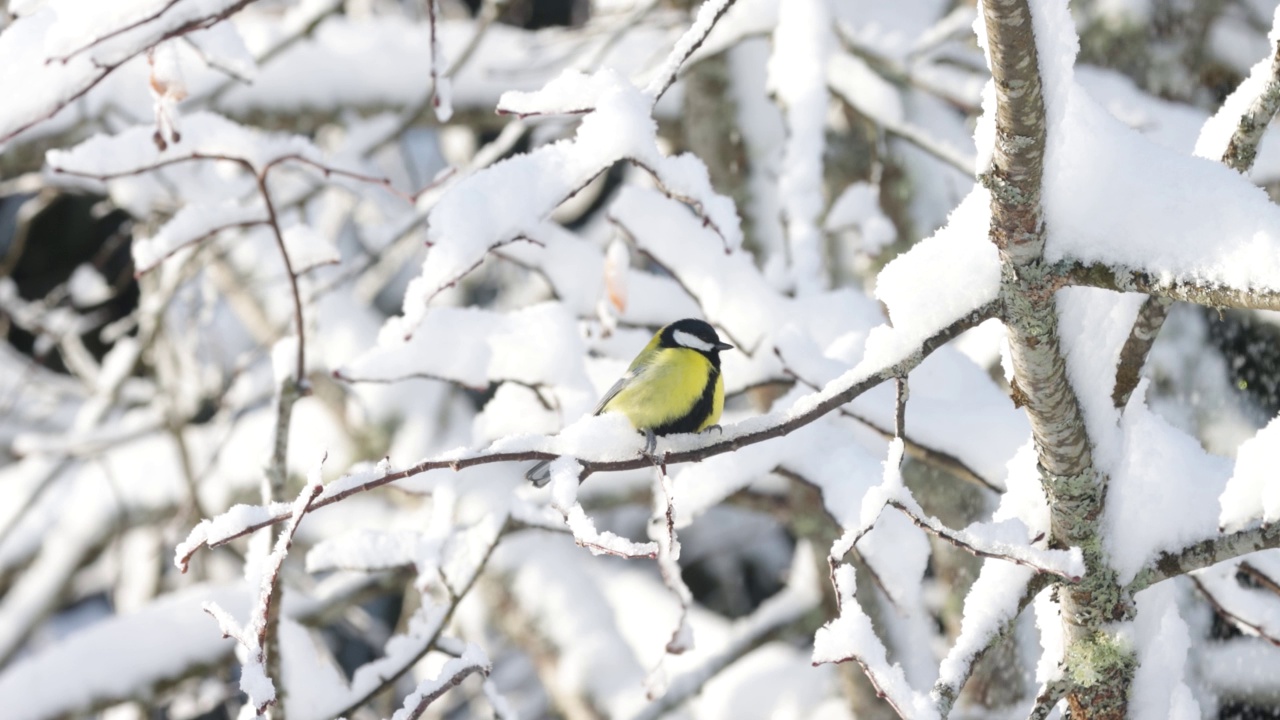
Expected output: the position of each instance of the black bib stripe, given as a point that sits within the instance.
(690, 421)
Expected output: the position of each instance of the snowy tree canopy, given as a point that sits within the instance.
(295, 291)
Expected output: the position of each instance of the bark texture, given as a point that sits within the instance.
(1098, 667)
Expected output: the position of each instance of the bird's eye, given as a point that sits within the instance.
(691, 341)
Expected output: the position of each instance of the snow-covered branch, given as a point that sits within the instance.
(992, 608)
(87, 48)
(851, 637)
(1259, 95)
(1190, 290)
(799, 597)
(254, 636)
(1206, 553)
(986, 542)
(472, 660)
(243, 520)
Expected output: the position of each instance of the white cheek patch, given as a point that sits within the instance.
(691, 341)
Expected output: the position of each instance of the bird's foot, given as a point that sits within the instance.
(650, 451)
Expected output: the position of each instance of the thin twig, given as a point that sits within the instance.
(915, 448)
(105, 69)
(425, 700)
(1248, 626)
(942, 532)
(268, 597)
(709, 14)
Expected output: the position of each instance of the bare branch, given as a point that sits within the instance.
(900, 407)
(1133, 356)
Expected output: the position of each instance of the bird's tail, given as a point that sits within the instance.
(539, 474)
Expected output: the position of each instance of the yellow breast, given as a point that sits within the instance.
(668, 389)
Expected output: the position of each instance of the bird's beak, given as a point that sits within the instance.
(722, 346)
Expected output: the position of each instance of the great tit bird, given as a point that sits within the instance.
(673, 386)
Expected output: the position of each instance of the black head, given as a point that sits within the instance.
(694, 335)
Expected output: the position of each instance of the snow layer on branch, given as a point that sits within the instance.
(1177, 126)
(991, 604)
(1217, 132)
(604, 437)
(471, 659)
(191, 223)
(851, 636)
(801, 45)
(958, 264)
(1207, 224)
(1163, 639)
(352, 53)
(110, 32)
(228, 524)
(203, 134)
(728, 287)
(120, 658)
(1252, 493)
(1166, 479)
(51, 56)
(513, 198)
(539, 345)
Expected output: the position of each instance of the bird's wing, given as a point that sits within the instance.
(623, 381)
